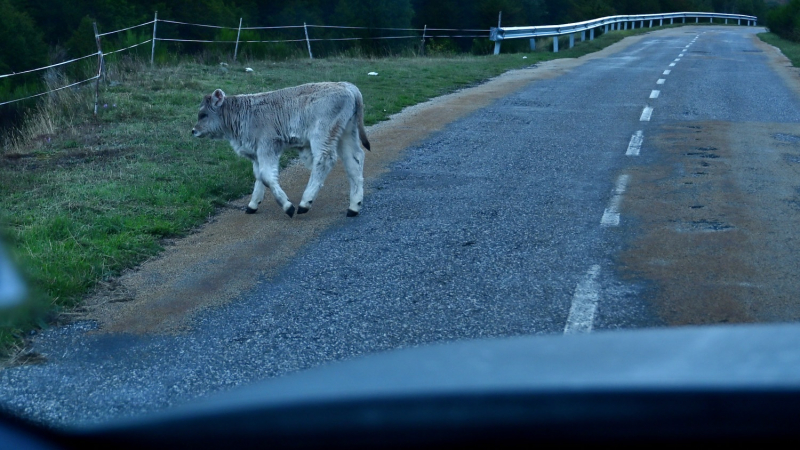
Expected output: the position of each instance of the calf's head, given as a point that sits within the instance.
(209, 119)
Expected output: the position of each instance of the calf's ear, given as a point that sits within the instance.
(217, 98)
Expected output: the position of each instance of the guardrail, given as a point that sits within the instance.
(499, 34)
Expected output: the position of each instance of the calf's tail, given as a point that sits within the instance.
(359, 113)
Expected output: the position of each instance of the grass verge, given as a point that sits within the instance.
(82, 202)
(789, 48)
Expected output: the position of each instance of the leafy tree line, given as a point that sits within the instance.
(30, 29)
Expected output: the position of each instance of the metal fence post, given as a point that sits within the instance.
(99, 67)
(308, 42)
(238, 33)
(153, 48)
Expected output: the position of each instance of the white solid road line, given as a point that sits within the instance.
(584, 303)
(660, 81)
(636, 143)
(646, 113)
(611, 214)
(654, 93)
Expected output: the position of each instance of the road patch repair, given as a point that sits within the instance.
(716, 243)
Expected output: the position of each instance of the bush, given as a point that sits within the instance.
(785, 21)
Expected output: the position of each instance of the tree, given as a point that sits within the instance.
(23, 44)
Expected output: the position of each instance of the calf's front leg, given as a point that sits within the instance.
(268, 175)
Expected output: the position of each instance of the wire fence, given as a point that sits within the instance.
(307, 38)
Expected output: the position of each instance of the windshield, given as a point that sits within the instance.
(198, 203)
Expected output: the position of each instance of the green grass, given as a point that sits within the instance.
(789, 48)
(83, 200)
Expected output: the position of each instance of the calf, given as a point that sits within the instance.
(323, 120)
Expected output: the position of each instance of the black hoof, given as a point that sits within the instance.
(290, 211)
(351, 213)
(301, 210)
(250, 210)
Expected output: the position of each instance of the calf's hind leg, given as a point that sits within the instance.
(353, 160)
(323, 161)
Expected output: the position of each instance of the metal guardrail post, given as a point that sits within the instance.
(591, 34)
(555, 44)
(533, 44)
(497, 42)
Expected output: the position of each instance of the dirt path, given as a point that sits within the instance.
(232, 252)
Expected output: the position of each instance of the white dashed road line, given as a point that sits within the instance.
(660, 81)
(646, 113)
(654, 93)
(611, 214)
(666, 72)
(636, 143)
(584, 303)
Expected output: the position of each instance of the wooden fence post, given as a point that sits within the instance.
(236, 50)
(308, 42)
(99, 67)
(422, 46)
(153, 48)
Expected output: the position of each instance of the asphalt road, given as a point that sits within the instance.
(568, 206)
